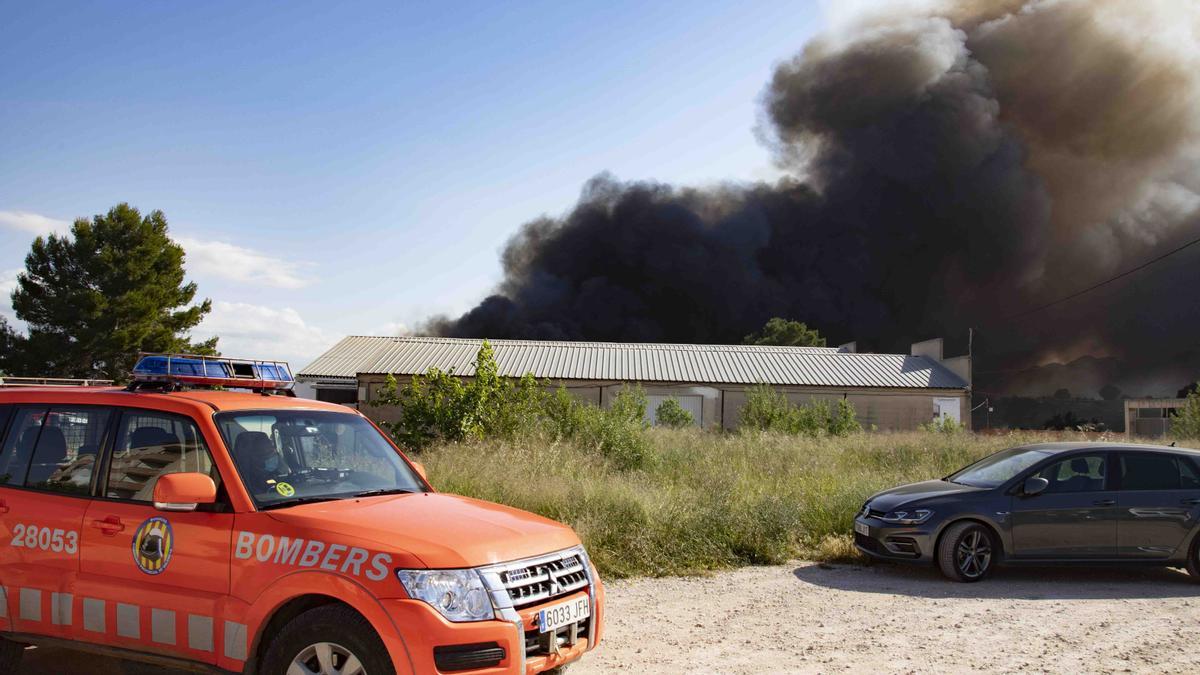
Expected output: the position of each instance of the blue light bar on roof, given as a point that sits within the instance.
(213, 371)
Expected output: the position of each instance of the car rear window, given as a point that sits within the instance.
(53, 449)
(67, 448)
(1147, 471)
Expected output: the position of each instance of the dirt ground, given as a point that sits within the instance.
(808, 618)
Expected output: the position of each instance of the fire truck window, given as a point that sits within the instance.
(150, 445)
(66, 449)
(5, 410)
(18, 445)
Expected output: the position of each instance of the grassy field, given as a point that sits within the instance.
(706, 501)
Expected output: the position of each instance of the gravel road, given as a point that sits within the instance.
(804, 618)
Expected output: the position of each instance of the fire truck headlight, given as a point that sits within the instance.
(458, 595)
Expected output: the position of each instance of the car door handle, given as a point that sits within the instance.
(3, 506)
(110, 525)
(1104, 502)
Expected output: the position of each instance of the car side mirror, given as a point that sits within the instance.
(421, 470)
(1034, 485)
(184, 491)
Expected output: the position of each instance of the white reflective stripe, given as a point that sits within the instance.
(31, 604)
(162, 626)
(200, 632)
(3, 602)
(235, 640)
(129, 623)
(93, 615)
(60, 608)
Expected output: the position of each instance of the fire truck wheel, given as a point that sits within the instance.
(329, 639)
(10, 655)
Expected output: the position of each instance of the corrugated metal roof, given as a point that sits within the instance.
(635, 362)
(350, 356)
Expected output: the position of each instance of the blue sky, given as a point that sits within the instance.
(339, 168)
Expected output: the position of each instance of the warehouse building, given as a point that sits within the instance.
(888, 391)
(1151, 417)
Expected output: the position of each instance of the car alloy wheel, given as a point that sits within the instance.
(326, 658)
(973, 554)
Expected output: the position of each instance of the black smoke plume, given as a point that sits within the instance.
(953, 165)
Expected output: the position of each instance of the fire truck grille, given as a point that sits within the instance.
(545, 579)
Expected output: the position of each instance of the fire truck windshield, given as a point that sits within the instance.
(288, 457)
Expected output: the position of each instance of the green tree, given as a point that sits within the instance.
(1185, 423)
(670, 414)
(779, 331)
(96, 297)
(9, 343)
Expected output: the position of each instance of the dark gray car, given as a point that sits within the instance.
(1075, 503)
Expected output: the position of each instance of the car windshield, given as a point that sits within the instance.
(995, 470)
(289, 457)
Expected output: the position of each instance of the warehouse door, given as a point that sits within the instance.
(692, 404)
(947, 408)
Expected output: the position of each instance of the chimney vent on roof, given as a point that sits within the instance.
(930, 348)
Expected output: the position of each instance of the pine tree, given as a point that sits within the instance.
(96, 297)
(9, 341)
(779, 331)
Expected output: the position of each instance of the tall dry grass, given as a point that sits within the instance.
(704, 501)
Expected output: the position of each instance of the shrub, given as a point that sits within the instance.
(630, 405)
(844, 420)
(1185, 423)
(769, 410)
(766, 410)
(943, 425)
(439, 407)
(670, 414)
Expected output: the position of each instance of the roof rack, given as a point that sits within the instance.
(174, 371)
(7, 382)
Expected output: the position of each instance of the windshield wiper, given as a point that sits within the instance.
(296, 501)
(386, 491)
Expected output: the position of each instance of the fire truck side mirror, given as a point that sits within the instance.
(184, 491)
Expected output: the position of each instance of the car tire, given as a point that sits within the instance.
(967, 552)
(1193, 559)
(328, 634)
(10, 655)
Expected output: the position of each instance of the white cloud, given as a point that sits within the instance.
(34, 223)
(258, 332)
(220, 260)
(393, 328)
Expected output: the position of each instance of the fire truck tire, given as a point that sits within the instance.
(328, 632)
(10, 655)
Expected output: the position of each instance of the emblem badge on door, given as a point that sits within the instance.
(152, 545)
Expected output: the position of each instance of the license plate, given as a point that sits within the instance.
(862, 528)
(563, 614)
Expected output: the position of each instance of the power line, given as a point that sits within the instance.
(1106, 282)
